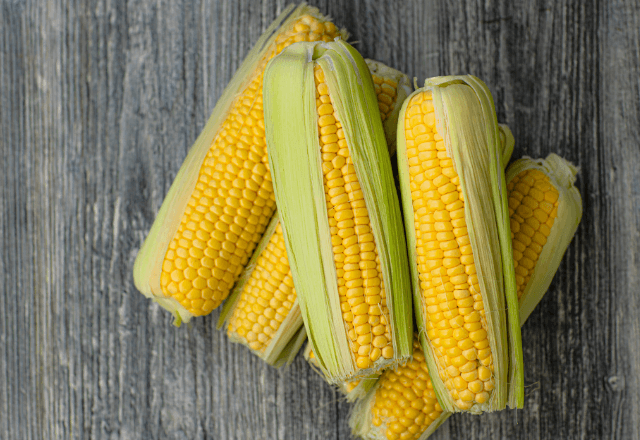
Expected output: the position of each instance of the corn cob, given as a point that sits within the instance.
(222, 198)
(456, 215)
(545, 210)
(262, 311)
(392, 409)
(330, 165)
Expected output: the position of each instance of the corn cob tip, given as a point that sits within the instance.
(564, 171)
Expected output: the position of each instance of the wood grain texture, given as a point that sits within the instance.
(101, 100)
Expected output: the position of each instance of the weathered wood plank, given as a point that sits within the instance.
(618, 208)
(100, 103)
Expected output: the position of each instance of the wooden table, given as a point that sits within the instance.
(101, 100)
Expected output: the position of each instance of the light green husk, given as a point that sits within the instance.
(148, 265)
(295, 162)
(562, 175)
(508, 142)
(465, 115)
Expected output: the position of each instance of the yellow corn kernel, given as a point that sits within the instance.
(527, 190)
(270, 288)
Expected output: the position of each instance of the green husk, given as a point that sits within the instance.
(508, 143)
(562, 175)
(466, 115)
(294, 158)
(148, 265)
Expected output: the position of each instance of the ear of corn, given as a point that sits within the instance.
(338, 207)
(402, 406)
(262, 311)
(456, 214)
(545, 209)
(222, 198)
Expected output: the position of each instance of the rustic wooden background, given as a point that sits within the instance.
(99, 103)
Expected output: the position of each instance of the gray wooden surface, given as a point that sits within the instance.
(99, 103)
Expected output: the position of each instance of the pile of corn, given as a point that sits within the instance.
(413, 319)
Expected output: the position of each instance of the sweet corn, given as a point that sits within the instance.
(545, 209)
(346, 252)
(262, 311)
(222, 198)
(452, 180)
